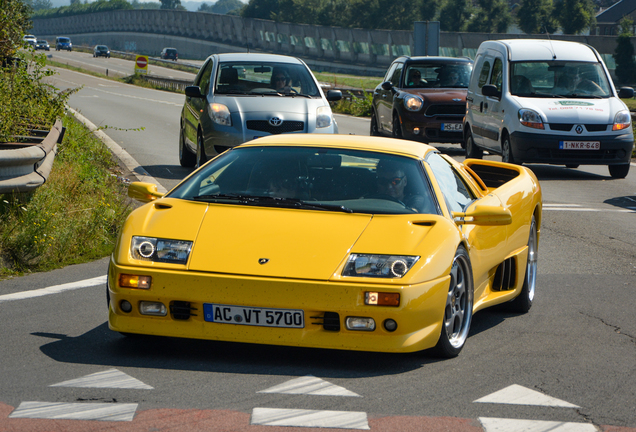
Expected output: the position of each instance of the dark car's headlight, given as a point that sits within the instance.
(220, 114)
(413, 103)
(160, 250)
(383, 266)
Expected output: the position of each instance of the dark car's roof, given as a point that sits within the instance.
(436, 59)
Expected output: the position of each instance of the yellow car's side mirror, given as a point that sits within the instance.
(483, 215)
(144, 192)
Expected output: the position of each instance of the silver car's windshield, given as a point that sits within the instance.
(265, 78)
(559, 79)
(325, 179)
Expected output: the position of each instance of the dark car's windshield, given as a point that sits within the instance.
(436, 74)
(559, 79)
(265, 78)
(314, 179)
(63, 40)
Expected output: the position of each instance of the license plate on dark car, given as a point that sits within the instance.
(253, 316)
(452, 127)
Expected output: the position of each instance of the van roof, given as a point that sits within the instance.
(543, 49)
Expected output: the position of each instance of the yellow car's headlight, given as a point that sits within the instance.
(382, 266)
(160, 250)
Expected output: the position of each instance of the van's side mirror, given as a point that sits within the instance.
(386, 85)
(626, 93)
(490, 91)
(193, 91)
(334, 95)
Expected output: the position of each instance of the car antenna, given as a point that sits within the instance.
(550, 40)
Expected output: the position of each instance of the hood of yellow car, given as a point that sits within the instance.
(274, 242)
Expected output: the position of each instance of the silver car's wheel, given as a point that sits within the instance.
(458, 311)
(201, 157)
(523, 302)
(186, 157)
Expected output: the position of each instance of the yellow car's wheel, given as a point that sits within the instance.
(523, 302)
(458, 311)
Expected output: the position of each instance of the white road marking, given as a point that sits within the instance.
(309, 418)
(112, 378)
(519, 395)
(511, 425)
(76, 411)
(577, 207)
(56, 289)
(310, 385)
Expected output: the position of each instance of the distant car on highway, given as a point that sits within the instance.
(169, 54)
(422, 99)
(30, 39)
(239, 97)
(101, 51)
(63, 43)
(43, 45)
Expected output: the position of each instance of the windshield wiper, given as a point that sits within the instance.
(270, 200)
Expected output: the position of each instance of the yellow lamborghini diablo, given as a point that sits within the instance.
(328, 241)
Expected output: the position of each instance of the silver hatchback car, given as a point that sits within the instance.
(239, 97)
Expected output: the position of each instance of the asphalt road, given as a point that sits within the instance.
(567, 365)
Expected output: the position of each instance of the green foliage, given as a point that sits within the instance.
(429, 9)
(624, 54)
(536, 16)
(171, 4)
(353, 105)
(454, 15)
(136, 4)
(78, 8)
(14, 23)
(491, 16)
(574, 16)
(222, 6)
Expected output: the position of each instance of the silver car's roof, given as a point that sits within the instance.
(257, 57)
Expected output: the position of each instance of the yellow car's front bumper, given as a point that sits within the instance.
(419, 316)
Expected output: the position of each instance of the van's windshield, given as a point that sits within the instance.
(559, 79)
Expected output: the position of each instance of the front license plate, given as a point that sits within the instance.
(579, 145)
(254, 316)
(452, 127)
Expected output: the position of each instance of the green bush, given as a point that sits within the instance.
(357, 106)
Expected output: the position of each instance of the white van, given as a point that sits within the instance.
(544, 101)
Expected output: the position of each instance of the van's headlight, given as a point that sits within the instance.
(220, 114)
(622, 120)
(413, 103)
(382, 266)
(530, 118)
(160, 250)
(323, 117)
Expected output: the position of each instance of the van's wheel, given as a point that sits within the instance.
(373, 128)
(506, 151)
(397, 127)
(523, 302)
(187, 159)
(472, 150)
(201, 157)
(618, 171)
(458, 311)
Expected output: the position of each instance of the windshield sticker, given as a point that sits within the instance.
(574, 103)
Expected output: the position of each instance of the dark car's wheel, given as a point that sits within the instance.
(201, 157)
(472, 150)
(397, 127)
(506, 151)
(618, 171)
(458, 311)
(523, 302)
(373, 128)
(187, 159)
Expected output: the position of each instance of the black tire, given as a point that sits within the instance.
(506, 151)
(472, 150)
(187, 159)
(373, 126)
(458, 311)
(201, 158)
(523, 302)
(572, 166)
(618, 171)
(397, 127)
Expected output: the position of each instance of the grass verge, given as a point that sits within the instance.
(72, 218)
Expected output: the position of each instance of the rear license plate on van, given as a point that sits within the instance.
(579, 145)
(452, 127)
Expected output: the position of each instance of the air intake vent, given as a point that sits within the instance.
(182, 310)
(505, 276)
(329, 321)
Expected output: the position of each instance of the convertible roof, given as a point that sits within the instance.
(379, 144)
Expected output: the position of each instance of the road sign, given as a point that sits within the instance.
(141, 64)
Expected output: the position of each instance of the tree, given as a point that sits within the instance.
(536, 16)
(221, 6)
(170, 4)
(454, 15)
(575, 16)
(624, 54)
(492, 16)
(429, 9)
(14, 23)
(262, 9)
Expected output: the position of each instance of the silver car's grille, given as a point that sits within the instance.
(286, 126)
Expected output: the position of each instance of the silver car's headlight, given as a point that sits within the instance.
(323, 117)
(160, 250)
(383, 266)
(220, 114)
(413, 103)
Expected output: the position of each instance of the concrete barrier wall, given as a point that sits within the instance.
(197, 35)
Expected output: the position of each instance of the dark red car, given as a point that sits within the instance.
(422, 99)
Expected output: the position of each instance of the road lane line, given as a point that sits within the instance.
(55, 289)
(76, 411)
(310, 385)
(112, 378)
(512, 425)
(309, 418)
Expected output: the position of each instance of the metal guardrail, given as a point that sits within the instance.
(26, 165)
(169, 83)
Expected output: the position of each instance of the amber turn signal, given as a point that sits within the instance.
(382, 299)
(134, 281)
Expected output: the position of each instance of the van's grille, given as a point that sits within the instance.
(564, 127)
(596, 127)
(286, 126)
